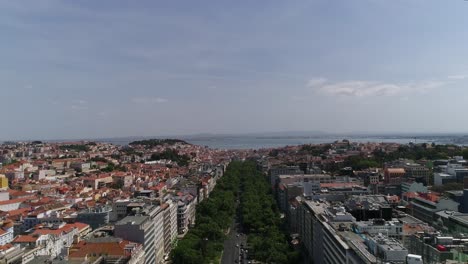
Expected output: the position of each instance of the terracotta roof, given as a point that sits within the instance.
(25, 239)
(410, 194)
(47, 231)
(12, 201)
(16, 212)
(164, 206)
(84, 249)
(396, 170)
(19, 193)
(6, 246)
(8, 223)
(80, 226)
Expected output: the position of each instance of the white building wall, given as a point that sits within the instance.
(159, 237)
(10, 206)
(4, 196)
(7, 237)
(173, 210)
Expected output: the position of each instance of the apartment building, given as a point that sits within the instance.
(170, 225)
(139, 229)
(275, 172)
(332, 235)
(394, 176)
(424, 208)
(95, 217)
(185, 213)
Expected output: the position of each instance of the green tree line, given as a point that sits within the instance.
(149, 143)
(261, 219)
(259, 215)
(204, 242)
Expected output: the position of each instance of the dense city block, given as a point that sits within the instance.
(168, 201)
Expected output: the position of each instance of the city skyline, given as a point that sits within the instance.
(118, 69)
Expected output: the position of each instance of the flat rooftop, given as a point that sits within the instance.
(357, 243)
(134, 219)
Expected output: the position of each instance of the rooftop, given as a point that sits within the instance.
(395, 170)
(113, 248)
(133, 219)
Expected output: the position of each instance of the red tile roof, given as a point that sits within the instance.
(25, 239)
(84, 249)
(12, 201)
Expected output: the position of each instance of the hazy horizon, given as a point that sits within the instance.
(100, 69)
(270, 134)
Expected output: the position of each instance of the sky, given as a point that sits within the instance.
(111, 68)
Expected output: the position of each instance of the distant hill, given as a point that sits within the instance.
(157, 142)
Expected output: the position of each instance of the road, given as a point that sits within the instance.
(231, 251)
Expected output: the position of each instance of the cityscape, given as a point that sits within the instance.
(233, 132)
(169, 201)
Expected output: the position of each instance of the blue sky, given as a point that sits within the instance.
(86, 69)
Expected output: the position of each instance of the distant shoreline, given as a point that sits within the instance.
(272, 140)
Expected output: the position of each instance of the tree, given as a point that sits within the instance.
(261, 220)
(173, 155)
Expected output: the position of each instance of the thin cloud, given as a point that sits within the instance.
(79, 104)
(424, 87)
(370, 88)
(457, 77)
(103, 113)
(149, 100)
(360, 88)
(79, 107)
(316, 82)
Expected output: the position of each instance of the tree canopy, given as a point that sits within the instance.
(204, 242)
(261, 219)
(157, 142)
(171, 154)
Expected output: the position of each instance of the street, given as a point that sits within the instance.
(232, 245)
